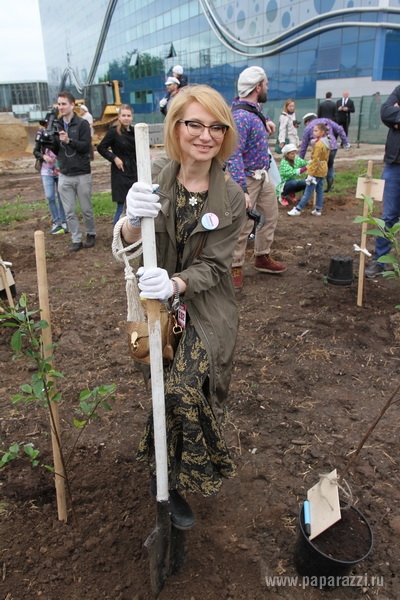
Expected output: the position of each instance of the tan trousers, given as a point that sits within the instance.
(263, 199)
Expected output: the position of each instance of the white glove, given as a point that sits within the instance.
(310, 180)
(155, 284)
(141, 201)
(163, 102)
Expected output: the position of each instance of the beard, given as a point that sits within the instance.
(262, 97)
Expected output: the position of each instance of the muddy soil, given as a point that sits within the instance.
(311, 371)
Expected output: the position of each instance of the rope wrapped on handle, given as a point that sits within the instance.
(125, 254)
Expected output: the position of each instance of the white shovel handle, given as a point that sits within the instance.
(153, 314)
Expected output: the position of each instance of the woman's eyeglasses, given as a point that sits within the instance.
(194, 128)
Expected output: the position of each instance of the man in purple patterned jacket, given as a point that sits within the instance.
(249, 167)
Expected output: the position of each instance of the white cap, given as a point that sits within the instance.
(289, 148)
(83, 107)
(309, 117)
(172, 80)
(248, 80)
(178, 69)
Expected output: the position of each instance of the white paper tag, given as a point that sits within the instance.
(324, 504)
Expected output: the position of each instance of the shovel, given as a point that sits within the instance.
(166, 544)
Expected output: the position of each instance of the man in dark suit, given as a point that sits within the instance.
(327, 108)
(345, 106)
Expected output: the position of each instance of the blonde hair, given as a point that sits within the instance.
(212, 102)
(123, 107)
(288, 101)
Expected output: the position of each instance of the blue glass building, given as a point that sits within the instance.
(303, 45)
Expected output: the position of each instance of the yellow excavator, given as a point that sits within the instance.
(103, 101)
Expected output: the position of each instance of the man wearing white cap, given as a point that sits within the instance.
(249, 167)
(172, 84)
(177, 72)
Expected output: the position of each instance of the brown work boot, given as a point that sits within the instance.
(266, 264)
(237, 276)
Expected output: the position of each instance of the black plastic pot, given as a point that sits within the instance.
(323, 570)
(341, 270)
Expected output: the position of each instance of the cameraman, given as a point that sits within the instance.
(72, 142)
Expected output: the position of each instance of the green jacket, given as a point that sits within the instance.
(210, 295)
(289, 173)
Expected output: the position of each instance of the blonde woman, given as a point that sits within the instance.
(288, 125)
(199, 211)
(118, 147)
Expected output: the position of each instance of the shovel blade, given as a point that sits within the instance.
(166, 547)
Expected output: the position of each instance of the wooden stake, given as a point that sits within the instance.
(47, 352)
(361, 268)
(3, 271)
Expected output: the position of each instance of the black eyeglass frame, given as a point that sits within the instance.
(209, 127)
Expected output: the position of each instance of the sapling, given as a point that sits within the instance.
(380, 229)
(27, 342)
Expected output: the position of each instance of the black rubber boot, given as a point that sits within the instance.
(329, 181)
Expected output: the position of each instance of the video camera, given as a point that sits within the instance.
(257, 217)
(53, 128)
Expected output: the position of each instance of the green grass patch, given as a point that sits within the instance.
(345, 182)
(103, 206)
(20, 210)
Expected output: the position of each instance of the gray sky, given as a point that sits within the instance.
(21, 54)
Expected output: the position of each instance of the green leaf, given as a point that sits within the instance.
(388, 258)
(79, 424)
(27, 388)
(57, 397)
(16, 341)
(17, 398)
(375, 232)
(30, 451)
(361, 219)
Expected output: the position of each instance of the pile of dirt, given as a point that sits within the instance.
(13, 136)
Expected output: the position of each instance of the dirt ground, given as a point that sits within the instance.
(311, 371)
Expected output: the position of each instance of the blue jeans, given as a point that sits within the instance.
(118, 212)
(293, 186)
(50, 186)
(319, 188)
(391, 205)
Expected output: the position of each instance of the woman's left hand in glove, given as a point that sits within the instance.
(155, 284)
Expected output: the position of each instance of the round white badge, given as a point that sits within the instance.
(210, 221)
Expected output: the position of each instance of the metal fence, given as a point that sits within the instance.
(365, 126)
